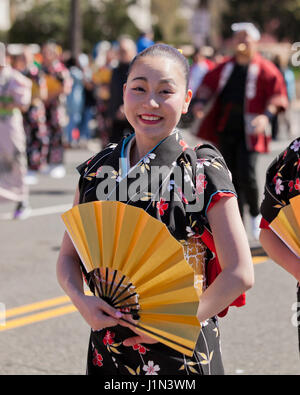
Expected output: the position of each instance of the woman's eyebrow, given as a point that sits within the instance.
(162, 81)
(139, 78)
(167, 81)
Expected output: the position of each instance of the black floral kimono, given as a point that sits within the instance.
(56, 74)
(282, 184)
(34, 120)
(203, 171)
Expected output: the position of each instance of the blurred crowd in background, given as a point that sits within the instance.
(75, 101)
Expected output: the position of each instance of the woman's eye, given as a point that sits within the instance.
(166, 92)
(138, 89)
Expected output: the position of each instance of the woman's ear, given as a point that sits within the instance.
(124, 88)
(187, 100)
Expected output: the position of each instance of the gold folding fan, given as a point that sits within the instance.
(138, 267)
(287, 225)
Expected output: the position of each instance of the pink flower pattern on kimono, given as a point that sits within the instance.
(151, 369)
(201, 183)
(141, 349)
(97, 358)
(296, 146)
(108, 338)
(279, 187)
(162, 206)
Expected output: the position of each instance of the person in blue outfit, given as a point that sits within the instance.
(144, 41)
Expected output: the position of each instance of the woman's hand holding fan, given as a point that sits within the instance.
(140, 338)
(97, 313)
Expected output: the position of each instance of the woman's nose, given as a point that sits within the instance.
(151, 102)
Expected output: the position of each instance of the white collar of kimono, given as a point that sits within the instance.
(125, 154)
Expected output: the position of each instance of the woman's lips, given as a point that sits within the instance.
(150, 119)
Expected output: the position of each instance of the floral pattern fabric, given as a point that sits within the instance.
(56, 77)
(35, 123)
(282, 184)
(14, 88)
(282, 181)
(203, 169)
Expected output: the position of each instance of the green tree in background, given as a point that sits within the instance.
(50, 21)
(107, 22)
(169, 26)
(41, 23)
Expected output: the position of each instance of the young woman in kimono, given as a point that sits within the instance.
(35, 117)
(15, 97)
(155, 96)
(282, 184)
(59, 85)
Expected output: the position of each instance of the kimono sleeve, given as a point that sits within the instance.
(282, 182)
(213, 178)
(83, 167)
(82, 170)
(88, 169)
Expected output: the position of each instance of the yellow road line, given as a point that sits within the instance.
(45, 315)
(55, 312)
(37, 306)
(259, 259)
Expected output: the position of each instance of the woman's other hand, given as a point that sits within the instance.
(140, 338)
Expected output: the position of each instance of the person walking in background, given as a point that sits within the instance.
(245, 92)
(200, 66)
(101, 78)
(118, 122)
(89, 99)
(15, 97)
(34, 118)
(74, 101)
(59, 84)
(144, 41)
(290, 82)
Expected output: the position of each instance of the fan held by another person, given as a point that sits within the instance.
(287, 225)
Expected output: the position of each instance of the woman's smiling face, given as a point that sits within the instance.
(155, 97)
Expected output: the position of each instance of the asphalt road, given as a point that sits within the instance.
(44, 334)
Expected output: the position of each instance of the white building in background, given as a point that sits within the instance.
(5, 15)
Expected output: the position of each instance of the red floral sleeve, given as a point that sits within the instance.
(282, 182)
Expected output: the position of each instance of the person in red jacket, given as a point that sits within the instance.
(244, 92)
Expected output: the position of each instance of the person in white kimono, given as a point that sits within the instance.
(15, 97)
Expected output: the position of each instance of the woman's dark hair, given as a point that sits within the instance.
(164, 50)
